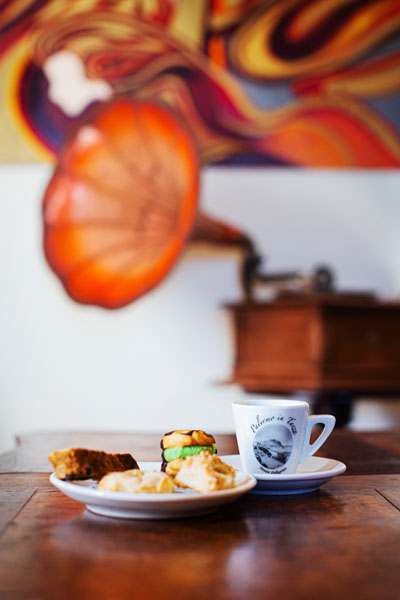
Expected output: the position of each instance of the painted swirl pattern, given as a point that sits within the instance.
(297, 82)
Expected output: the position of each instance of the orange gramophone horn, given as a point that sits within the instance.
(121, 203)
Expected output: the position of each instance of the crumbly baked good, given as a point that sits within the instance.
(136, 481)
(205, 472)
(179, 444)
(81, 463)
(172, 467)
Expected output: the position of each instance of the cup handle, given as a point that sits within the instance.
(309, 449)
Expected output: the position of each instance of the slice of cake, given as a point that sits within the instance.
(80, 463)
(205, 472)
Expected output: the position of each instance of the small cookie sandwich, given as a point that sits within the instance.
(178, 445)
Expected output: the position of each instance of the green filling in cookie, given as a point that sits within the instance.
(183, 452)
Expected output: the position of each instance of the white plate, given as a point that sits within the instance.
(182, 503)
(311, 474)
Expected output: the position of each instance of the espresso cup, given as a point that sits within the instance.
(273, 435)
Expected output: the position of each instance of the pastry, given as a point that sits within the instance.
(178, 445)
(205, 472)
(80, 463)
(136, 481)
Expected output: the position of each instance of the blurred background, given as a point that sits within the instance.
(276, 122)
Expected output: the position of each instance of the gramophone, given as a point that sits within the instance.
(118, 211)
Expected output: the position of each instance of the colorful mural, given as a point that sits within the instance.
(311, 83)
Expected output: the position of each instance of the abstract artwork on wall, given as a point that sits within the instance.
(313, 83)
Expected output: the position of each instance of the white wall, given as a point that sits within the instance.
(155, 364)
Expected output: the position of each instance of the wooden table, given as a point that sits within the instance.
(340, 542)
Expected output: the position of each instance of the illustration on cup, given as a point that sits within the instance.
(272, 446)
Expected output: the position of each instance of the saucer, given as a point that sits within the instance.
(311, 474)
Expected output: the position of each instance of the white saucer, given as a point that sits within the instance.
(181, 503)
(311, 474)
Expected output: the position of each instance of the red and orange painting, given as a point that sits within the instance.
(309, 83)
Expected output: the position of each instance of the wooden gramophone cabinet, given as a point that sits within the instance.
(333, 346)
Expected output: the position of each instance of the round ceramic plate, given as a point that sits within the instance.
(311, 474)
(181, 503)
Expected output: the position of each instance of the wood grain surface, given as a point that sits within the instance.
(364, 453)
(337, 543)
(317, 342)
(32, 449)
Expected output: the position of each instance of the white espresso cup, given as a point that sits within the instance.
(273, 435)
